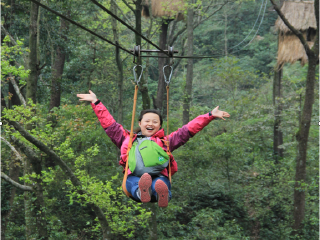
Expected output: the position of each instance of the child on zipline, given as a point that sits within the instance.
(148, 161)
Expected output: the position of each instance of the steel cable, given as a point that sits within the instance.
(128, 26)
(80, 26)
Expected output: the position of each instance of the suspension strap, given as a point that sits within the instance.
(124, 187)
(167, 81)
(167, 142)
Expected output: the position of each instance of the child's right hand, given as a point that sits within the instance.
(219, 114)
(88, 97)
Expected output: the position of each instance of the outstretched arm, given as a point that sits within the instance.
(113, 129)
(182, 135)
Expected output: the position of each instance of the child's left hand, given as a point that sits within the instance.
(219, 114)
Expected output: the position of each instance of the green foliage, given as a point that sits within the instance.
(108, 196)
(228, 185)
(10, 54)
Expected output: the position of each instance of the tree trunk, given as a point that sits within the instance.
(119, 63)
(14, 171)
(277, 98)
(303, 132)
(31, 94)
(34, 209)
(161, 62)
(188, 88)
(302, 138)
(58, 66)
(33, 66)
(143, 82)
(30, 219)
(225, 32)
(153, 232)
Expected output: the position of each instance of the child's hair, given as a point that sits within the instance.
(143, 112)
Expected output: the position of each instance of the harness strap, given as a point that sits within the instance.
(124, 187)
(167, 142)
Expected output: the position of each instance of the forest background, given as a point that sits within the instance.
(60, 172)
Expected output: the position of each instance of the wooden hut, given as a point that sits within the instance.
(172, 9)
(302, 17)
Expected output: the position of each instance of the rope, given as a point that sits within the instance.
(80, 26)
(124, 187)
(167, 142)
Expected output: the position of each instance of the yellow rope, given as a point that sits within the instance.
(167, 143)
(124, 187)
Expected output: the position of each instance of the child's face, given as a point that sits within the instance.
(149, 124)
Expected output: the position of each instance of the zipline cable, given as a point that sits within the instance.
(128, 26)
(211, 56)
(252, 27)
(264, 11)
(132, 29)
(80, 26)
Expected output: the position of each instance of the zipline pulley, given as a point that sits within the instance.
(137, 51)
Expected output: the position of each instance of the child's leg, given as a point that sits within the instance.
(132, 186)
(161, 188)
(139, 187)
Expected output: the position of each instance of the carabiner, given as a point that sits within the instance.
(135, 75)
(164, 74)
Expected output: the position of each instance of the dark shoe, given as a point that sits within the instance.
(163, 193)
(145, 188)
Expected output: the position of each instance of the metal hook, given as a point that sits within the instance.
(164, 74)
(135, 75)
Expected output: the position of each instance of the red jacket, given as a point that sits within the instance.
(120, 136)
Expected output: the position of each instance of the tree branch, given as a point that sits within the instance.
(75, 181)
(115, 3)
(222, 5)
(29, 152)
(17, 89)
(293, 30)
(178, 34)
(46, 150)
(127, 4)
(13, 149)
(14, 183)
(182, 30)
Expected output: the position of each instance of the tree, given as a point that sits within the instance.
(189, 77)
(303, 132)
(58, 65)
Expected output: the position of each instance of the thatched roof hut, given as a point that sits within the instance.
(164, 8)
(302, 17)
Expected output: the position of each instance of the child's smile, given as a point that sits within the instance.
(149, 124)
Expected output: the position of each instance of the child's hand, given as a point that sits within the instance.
(88, 97)
(219, 114)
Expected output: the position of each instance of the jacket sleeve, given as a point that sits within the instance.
(182, 135)
(113, 129)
